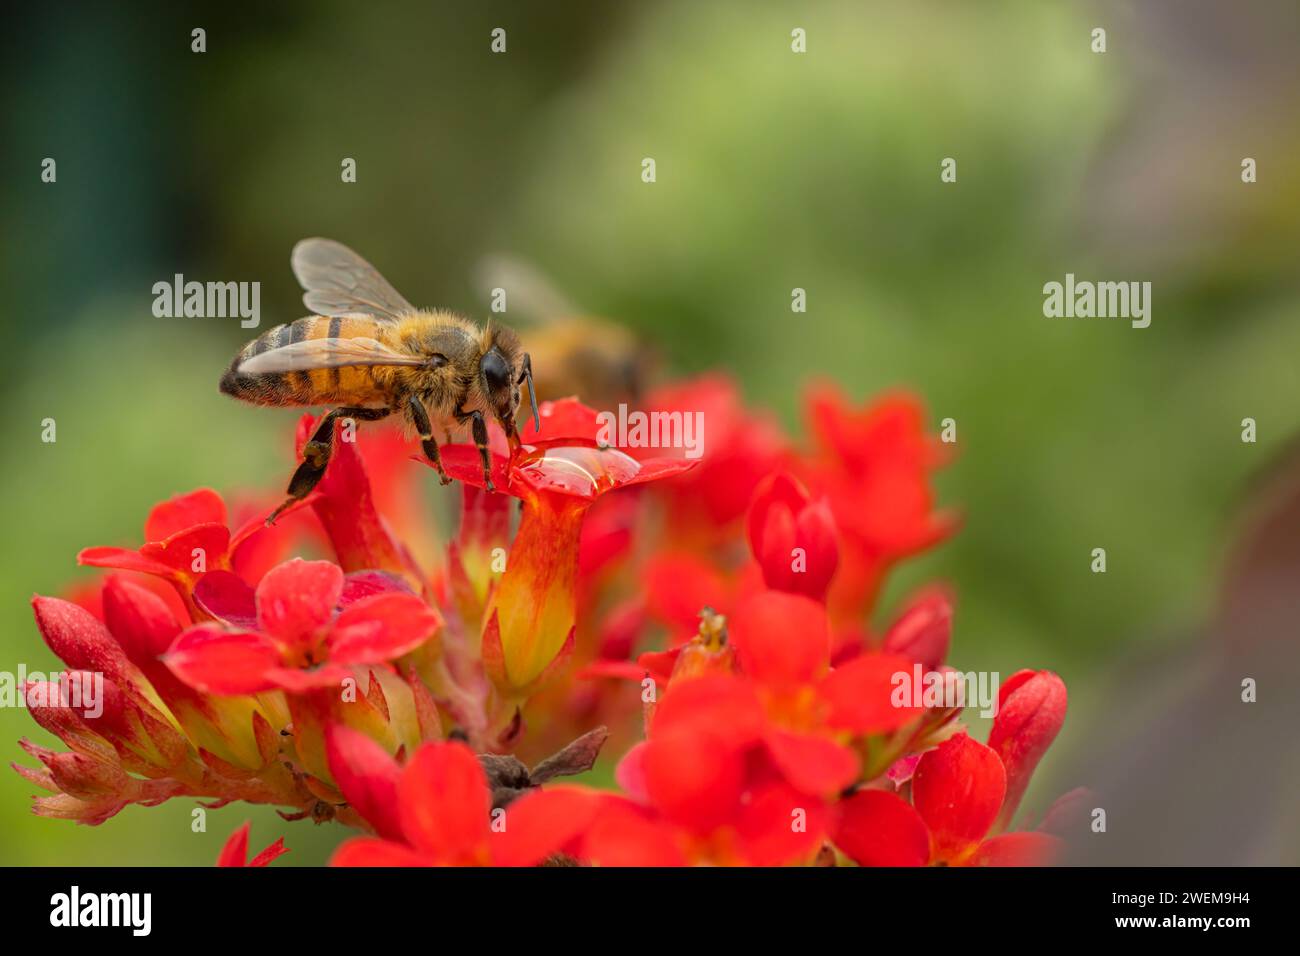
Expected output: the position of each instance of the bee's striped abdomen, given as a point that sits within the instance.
(268, 389)
(319, 386)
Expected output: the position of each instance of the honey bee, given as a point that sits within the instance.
(369, 352)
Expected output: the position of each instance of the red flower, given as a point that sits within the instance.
(558, 473)
(235, 852)
(808, 713)
(783, 645)
(740, 448)
(437, 810)
(739, 768)
(186, 537)
(792, 537)
(957, 792)
(704, 789)
(300, 642)
(874, 465)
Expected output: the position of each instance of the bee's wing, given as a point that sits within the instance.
(339, 282)
(325, 353)
(527, 288)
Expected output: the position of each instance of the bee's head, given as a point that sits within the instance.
(503, 368)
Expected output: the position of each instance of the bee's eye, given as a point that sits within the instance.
(495, 371)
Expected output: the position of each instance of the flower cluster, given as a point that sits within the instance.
(714, 614)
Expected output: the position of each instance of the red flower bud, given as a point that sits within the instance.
(1031, 709)
(792, 537)
(85, 778)
(79, 640)
(923, 631)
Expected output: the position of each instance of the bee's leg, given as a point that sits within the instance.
(479, 428)
(316, 454)
(423, 428)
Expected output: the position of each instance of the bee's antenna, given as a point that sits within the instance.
(532, 395)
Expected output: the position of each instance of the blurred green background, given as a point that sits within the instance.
(774, 170)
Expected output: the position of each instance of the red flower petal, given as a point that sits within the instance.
(811, 763)
(779, 825)
(251, 541)
(444, 803)
(380, 628)
(123, 559)
(694, 778)
(191, 551)
(718, 704)
(657, 469)
(679, 584)
(577, 471)
(541, 823)
(860, 693)
(297, 598)
(623, 834)
(817, 534)
(462, 462)
(225, 596)
(779, 490)
(203, 506)
(272, 852)
(300, 681)
(235, 851)
(368, 851)
(223, 662)
(630, 773)
(958, 789)
(782, 639)
(1019, 849)
(618, 670)
(364, 584)
(563, 418)
(367, 777)
(878, 828)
